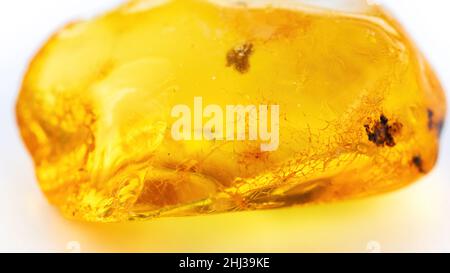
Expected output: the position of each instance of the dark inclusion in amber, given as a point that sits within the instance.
(360, 109)
(382, 133)
(238, 57)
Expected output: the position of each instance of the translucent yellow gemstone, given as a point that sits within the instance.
(360, 111)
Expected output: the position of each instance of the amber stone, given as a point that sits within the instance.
(360, 110)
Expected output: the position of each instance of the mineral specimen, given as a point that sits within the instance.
(360, 110)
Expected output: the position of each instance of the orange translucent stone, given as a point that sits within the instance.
(360, 110)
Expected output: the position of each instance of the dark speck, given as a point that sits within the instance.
(434, 124)
(430, 119)
(383, 120)
(418, 162)
(382, 133)
(238, 57)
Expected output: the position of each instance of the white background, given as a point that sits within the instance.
(412, 219)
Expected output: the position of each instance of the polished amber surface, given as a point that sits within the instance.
(360, 110)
